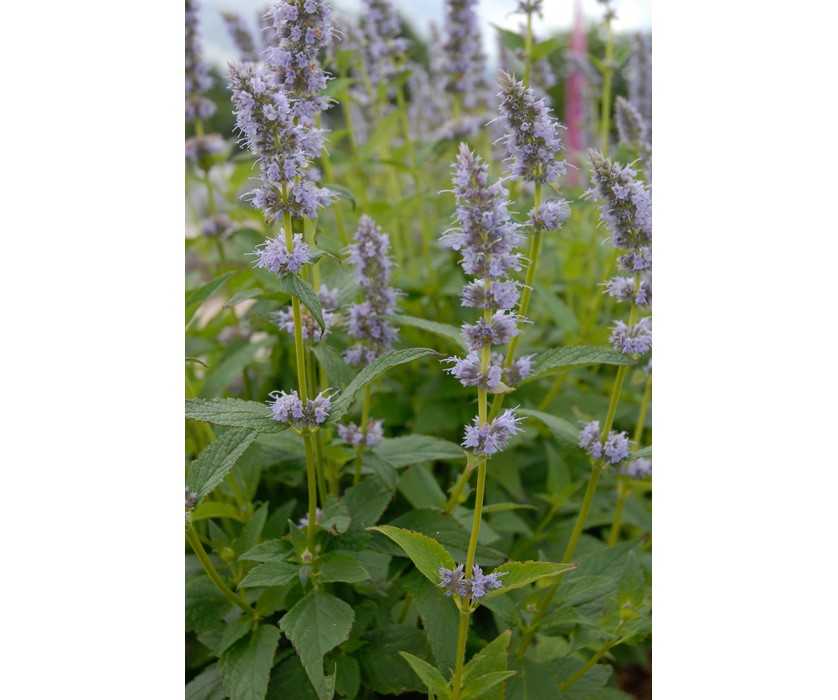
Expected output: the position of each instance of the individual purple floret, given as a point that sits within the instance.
(465, 62)
(217, 226)
(191, 498)
(452, 581)
(369, 254)
(498, 331)
(198, 79)
(632, 340)
(489, 438)
(626, 203)
(354, 435)
(200, 150)
(491, 294)
(241, 35)
(549, 216)
(637, 468)
(275, 256)
(288, 408)
(615, 449)
(487, 237)
(532, 135)
(480, 584)
(468, 371)
(302, 28)
(384, 45)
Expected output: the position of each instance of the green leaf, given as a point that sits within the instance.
(246, 666)
(373, 370)
(384, 671)
(243, 295)
(217, 459)
(544, 48)
(565, 433)
(340, 566)
(348, 673)
(427, 554)
(420, 488)
(479, 687)
(439, 621)
(271, 573)
(302, 290)
(234, 631)
(430, 676)
(512, 40)
(214, 509)
(198, 296)
(206, 685)
(315, 626)
(367, 501)
(342, 192)
(267, 551)
(644, 452)
(443, 330)
(411, 449)
(234, 412)
(231, 366)
(576, 356)
(631, 588)
(339, 373)
(480, 674)
(335, 517)
(520, 573)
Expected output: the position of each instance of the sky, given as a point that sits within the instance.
(632, 15)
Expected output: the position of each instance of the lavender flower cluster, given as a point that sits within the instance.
(384, 45)
(614, 449)
(370, 256)
(454, 582)
(275, 254)
(487, 239)
(302, 28)
(198, 79)
(638, 469)
(289, 408)
(241, 36)
(358, 437)
(627, 213)
(465, 62)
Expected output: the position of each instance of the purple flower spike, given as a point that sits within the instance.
(468, 371)
(550, 216)
(288, 408)
(615, 449)
(465, 62)
(498, 331)
(532, 135)
(490, 438)
(627, 204)
(198, 79)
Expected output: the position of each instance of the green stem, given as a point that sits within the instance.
(212, 572)
(462, 635)
(608, 72)
(528, 51)
(564, 685)
(458, 489)
(311, 472)
(478, 511)
(365, 417)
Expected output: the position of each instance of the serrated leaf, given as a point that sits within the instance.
(243, 295)
(234, 631)
(544, 48)
(197, 296)
(236, 413)
(267, 551)
(217, 459)
(632, 584)
(315, 626)
(443, 330)
(367, 501)
(270, 573)
(576, 356)
(340, 566)
(220, 375)
(335, 517)
(427, 554)
(412, 449)
(373, 370)
(420, 488)
(491, 659)
(482, 685)
(439, 621)
(206, 685)
(512, 40)
(384, 671)
(520, 573)
(430, 676)
(302, 290)
(215, 509)
(565, 433)
(339, 373)
(246, 666)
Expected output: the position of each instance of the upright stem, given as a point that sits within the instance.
(528, 51)
(312, 489)
(478, 512)
(213, 574)
(462, 635)
(605, 124)
(365, 417)
(458, 489)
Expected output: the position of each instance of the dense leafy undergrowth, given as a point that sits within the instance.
(418, 439)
